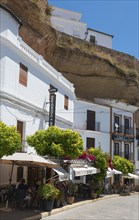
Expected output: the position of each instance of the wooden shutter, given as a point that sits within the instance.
(66, 102)
(91, 120)
(23, 75)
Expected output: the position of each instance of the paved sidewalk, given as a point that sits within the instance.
(7, 214)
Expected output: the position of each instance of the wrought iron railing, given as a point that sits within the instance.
(122, 129)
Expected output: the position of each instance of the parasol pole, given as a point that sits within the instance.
(10, 180)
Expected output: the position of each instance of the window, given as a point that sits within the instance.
(127, 125)
(116, 149)
(91, 120)
(90, 143)
(66, 102)
(92, 39)
(23, 75)
(126, 152)
(20, 130)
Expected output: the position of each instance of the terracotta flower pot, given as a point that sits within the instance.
(70, 200)
(93, 195)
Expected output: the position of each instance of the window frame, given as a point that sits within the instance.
(129, 125)
(115, 148)
(125, 153)
(118, 130)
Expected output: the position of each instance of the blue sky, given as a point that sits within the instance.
(116, 17)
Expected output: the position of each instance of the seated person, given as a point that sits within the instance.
(27, 199)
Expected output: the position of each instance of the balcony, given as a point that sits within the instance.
(123, 130)
(95, 126)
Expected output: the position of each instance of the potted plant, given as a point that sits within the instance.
(98, 191)
(70, 192)
(93, 192)
(93, 195)
(59, 200)
(47, 194)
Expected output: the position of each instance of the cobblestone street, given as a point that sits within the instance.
(120, 207)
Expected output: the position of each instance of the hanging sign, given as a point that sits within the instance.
(122, 138)
(52, 109)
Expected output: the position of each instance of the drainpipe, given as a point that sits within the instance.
(111, 138)
(134, 137)
(111, 132)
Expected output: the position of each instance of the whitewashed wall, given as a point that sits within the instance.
(68, 22)
(67, 14)
(102, 39)
(8, 26)
(39, 80)
(5, 176)
(102, 137)
(80, 115)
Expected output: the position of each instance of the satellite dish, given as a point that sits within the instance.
(116, 125)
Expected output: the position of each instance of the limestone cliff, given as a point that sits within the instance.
(95, 71)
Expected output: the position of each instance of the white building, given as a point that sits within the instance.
(99, 38)
(122, 129)
(25, 80)
(69, 22)
(93, 122)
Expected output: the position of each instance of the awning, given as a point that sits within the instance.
(63, 174)
(115, 172)
(27, 159)
(133, 176)
(83, 171)
(127, 177)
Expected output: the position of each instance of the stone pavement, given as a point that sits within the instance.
(114, 208)
(7, 214)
